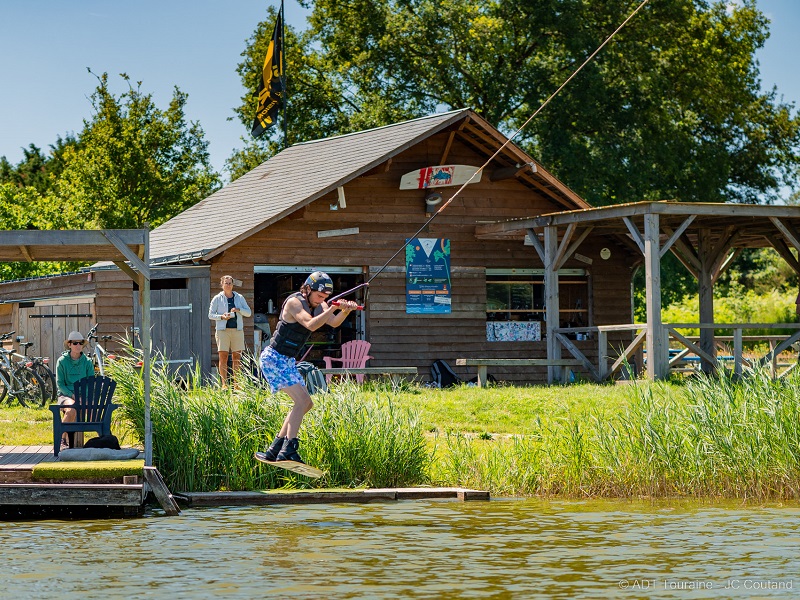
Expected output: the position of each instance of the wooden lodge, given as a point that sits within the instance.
(336, 204)
(534, 277)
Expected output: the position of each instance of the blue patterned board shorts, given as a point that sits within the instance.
(280, 371)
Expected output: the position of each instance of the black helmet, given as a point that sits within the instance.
(320, 282)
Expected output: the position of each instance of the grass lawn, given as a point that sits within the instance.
(25, 426)
(509, 410)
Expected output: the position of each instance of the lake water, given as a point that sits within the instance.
(413, 549)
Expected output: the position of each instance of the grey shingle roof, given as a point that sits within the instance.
(288, 180)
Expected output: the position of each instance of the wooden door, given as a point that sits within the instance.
(171, 331)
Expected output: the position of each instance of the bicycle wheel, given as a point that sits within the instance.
(28, 387)
(49, 379)
(4, 377)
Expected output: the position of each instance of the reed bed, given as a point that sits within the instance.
(706, 437)
(714, 437)
(204, 437)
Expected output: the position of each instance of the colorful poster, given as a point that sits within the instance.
(428, 276)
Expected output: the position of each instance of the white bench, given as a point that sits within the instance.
(483, 363)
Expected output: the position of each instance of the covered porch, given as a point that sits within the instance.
(706, 238)
(128, 249)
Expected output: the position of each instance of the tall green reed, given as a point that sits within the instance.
(717, 436)
(204, 437)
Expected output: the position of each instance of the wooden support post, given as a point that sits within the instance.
(482, 379)
(144, 336)
(161, 492)
(737, 352)
(705, 292)
(657, 363)
(551, 302)
(602, 355)
(773, 362)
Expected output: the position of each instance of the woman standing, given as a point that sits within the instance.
(227, 308)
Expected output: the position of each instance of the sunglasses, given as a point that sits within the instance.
(77, 343)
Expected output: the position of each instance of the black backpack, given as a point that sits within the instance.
(442, 375)
(314, 379)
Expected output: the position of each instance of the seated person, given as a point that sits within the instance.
(72, 365)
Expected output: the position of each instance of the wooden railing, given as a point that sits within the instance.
(690, 350)
(778, 344)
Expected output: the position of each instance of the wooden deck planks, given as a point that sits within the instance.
(258, 498)
(24, 457)
(18, 489)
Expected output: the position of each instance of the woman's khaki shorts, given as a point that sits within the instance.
(230, 340)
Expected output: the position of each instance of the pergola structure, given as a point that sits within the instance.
(129, 249)
(705, 237)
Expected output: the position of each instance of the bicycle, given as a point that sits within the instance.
(39, 365)
(18, 381)
(99, 354)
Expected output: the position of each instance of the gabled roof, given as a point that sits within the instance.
(305, 172)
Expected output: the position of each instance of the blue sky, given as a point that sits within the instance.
(46, 46)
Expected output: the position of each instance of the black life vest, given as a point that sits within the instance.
(289, 338)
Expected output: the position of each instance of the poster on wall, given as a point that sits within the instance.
(428, 276)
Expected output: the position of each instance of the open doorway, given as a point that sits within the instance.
(274, 283)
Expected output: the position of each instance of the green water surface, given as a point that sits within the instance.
(413, 549)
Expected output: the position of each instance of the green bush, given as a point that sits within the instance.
(738, 306)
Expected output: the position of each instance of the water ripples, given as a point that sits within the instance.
(506, 548)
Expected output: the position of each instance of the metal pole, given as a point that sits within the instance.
(283, 77)
(144, 299)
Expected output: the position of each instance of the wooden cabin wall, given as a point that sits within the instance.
(78, 284)
(385, 217)
(114, 306)
(109, 295)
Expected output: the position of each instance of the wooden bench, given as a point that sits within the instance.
(393, 372)
(484, 363)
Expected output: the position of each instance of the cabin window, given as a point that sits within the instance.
(515, 302)
(170, 283)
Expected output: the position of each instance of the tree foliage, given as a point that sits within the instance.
(24, 207)
(37, 170)
(135, 163)
(670, 109)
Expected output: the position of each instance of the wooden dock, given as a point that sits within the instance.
(338, 495)
(18, 488)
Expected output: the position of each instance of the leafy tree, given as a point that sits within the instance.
(36, 169)
(134, 163)
(671, 109)
(23, 207)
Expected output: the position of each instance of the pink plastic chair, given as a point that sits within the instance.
(354, 356)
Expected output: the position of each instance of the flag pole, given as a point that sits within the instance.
(283, 76)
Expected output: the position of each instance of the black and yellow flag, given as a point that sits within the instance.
(271, 88)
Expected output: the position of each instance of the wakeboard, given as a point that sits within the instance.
(439, 176)
(294, 467)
